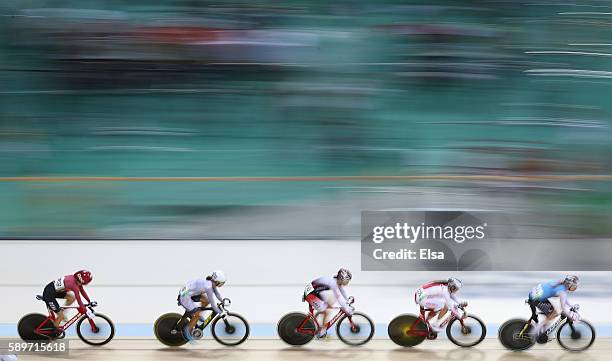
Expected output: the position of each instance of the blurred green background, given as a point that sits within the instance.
(300, 88)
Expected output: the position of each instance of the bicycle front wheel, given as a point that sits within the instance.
(355, 330)
(468, 334)
(232, 330)
(576, 336)
(97, 331)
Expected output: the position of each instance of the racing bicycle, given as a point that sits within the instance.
(298, 328)
(92, 328)
(227, 328)
(516, 334)
(409, 330)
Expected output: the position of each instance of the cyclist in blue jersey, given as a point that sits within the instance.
(540, 295)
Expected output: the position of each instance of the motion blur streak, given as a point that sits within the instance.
(239, 119)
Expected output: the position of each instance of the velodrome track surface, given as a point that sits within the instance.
(275, 350)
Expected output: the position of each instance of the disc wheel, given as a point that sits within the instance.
(288, 325)
(97, 331)
(29, 323)
(513, 336)
(356, 329)
(407, 330)
(167, 330)
(471, 333)
(576, 336)
(232, 330)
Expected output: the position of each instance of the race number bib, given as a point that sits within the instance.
(59, 284)
(308, 290)
(420, 295)
(537, 292)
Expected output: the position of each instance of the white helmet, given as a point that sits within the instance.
(218, 277)
(344, 276)
(571, 282)
(454, 284)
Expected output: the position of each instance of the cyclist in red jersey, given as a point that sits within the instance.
(69, 288)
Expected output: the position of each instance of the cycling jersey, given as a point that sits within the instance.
(326, 289)
(59, 288)
(197, 288)
(435, 295)
(540, 294)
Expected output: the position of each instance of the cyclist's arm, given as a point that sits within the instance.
(211, 299)
(77, 295)
(565, 305)
(82, 291)
(218, 294)
(453, 297)
(343, 292)
(341, 297)
(451, 303)
(71, 285)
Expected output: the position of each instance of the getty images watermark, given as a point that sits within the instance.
(422, 240)
(451, 240)
(422, 232)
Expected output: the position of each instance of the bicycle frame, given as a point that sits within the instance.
(423, 319)
(210, 317)
(311, 316)
(534, 318)
(51, 317)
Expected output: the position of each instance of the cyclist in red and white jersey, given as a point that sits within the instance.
(323, 292)
(69, 288)
(439, 297)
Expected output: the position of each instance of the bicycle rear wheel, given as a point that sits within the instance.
(407, 330)
(355, 330)
(102, 332)
(29, 323)
(288, 325)
(576, 336)
(231, 330)
(167, 330)
(471, 333)
(513, 335)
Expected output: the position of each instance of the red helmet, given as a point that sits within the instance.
(83, 276)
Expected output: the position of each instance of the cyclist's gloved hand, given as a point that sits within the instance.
(574, 316)
(90, 314)
(576, 307)
(457, 311)
(463, 304)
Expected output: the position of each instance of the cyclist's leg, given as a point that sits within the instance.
(193, 311)
(69, 297)
(549, 311)
(50, 297)
(437, 307)
(320, 308)
(203, 300)
(442, 312)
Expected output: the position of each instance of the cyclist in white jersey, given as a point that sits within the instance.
(438, 297)
(323, 292)
(203, 291)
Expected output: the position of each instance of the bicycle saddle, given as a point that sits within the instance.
(39, 297)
